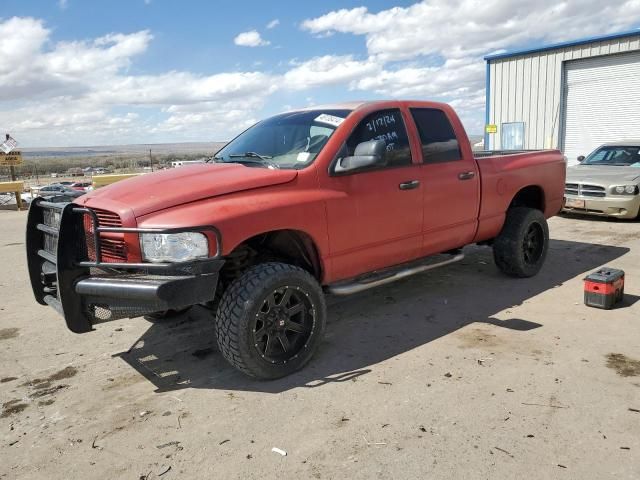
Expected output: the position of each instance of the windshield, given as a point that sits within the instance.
(616, 156)
(288, 140)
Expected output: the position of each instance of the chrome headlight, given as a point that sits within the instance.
(173, 247)
(625, 189)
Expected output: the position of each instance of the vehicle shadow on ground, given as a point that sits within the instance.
(370, 327)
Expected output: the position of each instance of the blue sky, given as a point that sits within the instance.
(196, 35)
(78, 72)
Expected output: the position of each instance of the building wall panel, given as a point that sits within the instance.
(528, 88)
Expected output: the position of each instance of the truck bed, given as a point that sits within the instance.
(505, 173)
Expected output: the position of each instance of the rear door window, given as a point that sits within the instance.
(438, 139)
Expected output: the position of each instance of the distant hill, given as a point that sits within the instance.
(192, 148)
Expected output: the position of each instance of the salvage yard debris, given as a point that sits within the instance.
(503, 451)
(372, 443)
(544, 405)
(482, 361)
(168, 444)
(279, 451)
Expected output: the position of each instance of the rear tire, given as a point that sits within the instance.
(271, 320)
(521, 247)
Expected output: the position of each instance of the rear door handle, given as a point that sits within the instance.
(466, 175)
(410, 185)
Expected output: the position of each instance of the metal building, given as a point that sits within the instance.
(573, 96)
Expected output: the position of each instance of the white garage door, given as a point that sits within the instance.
(601, 103)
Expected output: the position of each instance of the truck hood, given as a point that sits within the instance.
(168, 188)
(602, 174)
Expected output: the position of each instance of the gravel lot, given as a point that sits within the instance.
(457, 373)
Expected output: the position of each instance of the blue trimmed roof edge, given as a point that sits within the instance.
(571, 43)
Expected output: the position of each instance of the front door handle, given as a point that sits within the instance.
(410, 185)
(466, 175)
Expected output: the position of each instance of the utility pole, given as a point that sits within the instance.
(12, 169)
(150, 160)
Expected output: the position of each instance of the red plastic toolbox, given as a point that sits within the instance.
(604, 288)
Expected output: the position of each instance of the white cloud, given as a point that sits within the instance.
(454, 78)
(328, 70)
(63, 4)
(214, 116)
(80, 92)
(273, 23)
(84, 92)
(250, 39)
(468, 28)
(445, 41)
(180, 88)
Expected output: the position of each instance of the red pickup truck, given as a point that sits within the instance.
(332, 199)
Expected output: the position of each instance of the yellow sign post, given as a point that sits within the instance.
(13, 187)
(10, 159)
(490, 128)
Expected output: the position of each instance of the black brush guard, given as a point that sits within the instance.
(89, 291)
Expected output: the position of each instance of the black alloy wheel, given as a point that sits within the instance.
(533, 244)
(521, 247)
(271, 320)
(283, 325)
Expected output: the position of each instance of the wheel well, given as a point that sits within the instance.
(531, 196)
(288, 246)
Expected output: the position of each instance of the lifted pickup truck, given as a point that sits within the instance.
(333, 199)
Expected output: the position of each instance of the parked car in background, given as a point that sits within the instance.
(54, 187)
(81, 186)
(606, 182)
(75, 172)
(58, 189)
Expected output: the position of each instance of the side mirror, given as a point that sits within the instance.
(366, 155)
(581, 158)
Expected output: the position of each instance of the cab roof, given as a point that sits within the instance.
(357, 104)
(353, 105)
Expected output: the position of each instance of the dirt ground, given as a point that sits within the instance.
(457, 373)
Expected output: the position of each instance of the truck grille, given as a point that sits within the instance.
(107, 219)
(51, 218)
(50, 243)
(584, 190)
(113, 246)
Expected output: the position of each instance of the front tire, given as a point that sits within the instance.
(271, 320)
(521, 247)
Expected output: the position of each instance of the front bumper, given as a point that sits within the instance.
(86, 291)
(625, 207)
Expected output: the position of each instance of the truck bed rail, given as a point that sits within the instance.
(479, 154)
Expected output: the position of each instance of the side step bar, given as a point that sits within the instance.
(382, 277)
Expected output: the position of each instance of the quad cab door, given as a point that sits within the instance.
(376, 221)
(451, 181)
